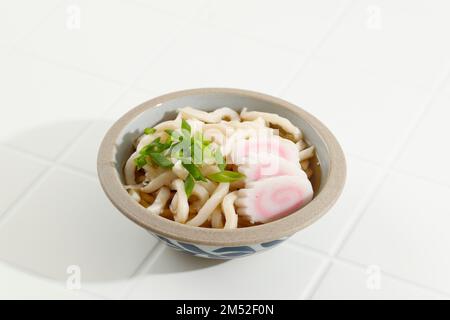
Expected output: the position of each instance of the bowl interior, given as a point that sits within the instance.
(209, 101)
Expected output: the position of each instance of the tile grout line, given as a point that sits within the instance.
(159, 248)
(142, 269)
(320, 274)
(312, 52)
(314, 283)
(128, 84)
(203, 22)
(108, 109)
(51, 165)
(31, 156)
(38, 23)
(36, 182)
(323, 254)
(54, 164)
(418, 285)
(424, 178)
(33, 184)
(389, 165)
(364, 159)
(15, 47)
(47, 162)
(206, 23)
(322, 269)
(354, 264)
(67, 66)
(53, 282)
(160, 10)
(154, 253)
(385, 171)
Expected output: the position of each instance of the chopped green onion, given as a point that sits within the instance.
(189, 185)
(220, 161)
(151, 147)
(149, 131)
(140, 161)
(161, 160)
(166, 144)
(192, 151)
(174, 135)
(226, 176)
(197, 149)
(185, 126)
(194, 171)
(156, 146)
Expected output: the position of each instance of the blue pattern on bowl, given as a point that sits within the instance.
(216, 252)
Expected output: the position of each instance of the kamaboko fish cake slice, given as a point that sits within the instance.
(269, 165)
(273, 198)
(275, 145)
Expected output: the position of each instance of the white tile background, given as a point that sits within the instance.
(376, 72)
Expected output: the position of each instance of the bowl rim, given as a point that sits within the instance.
(275, 230)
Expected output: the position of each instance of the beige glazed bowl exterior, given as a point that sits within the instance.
(329, 176)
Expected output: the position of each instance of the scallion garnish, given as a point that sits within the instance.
(220, 161)
(160, 160)
(185, 126)
(189, 184)
(194, 171)
(148, 131)
(192, 151)
(226, 176)
(140, 162)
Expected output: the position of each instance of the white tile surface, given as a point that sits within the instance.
(115, 38)
(212, 57)
(20, 17)
(179, 276)
(324, 234)
(353, 283)
(398, 40)
(83, 154)
(177, 8)
(132, 98)
(15, 182)
(367, 113)
(405, 232)
(16, 284)
(297, 25)
(68, 221)
(367, 75)
(48, 105)
(428, 144)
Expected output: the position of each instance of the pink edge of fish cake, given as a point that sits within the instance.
(275, 145)
(269, 165)
(275, 197)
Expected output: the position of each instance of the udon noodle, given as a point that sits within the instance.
(221, 169)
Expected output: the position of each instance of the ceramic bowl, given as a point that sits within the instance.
(328, 179)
